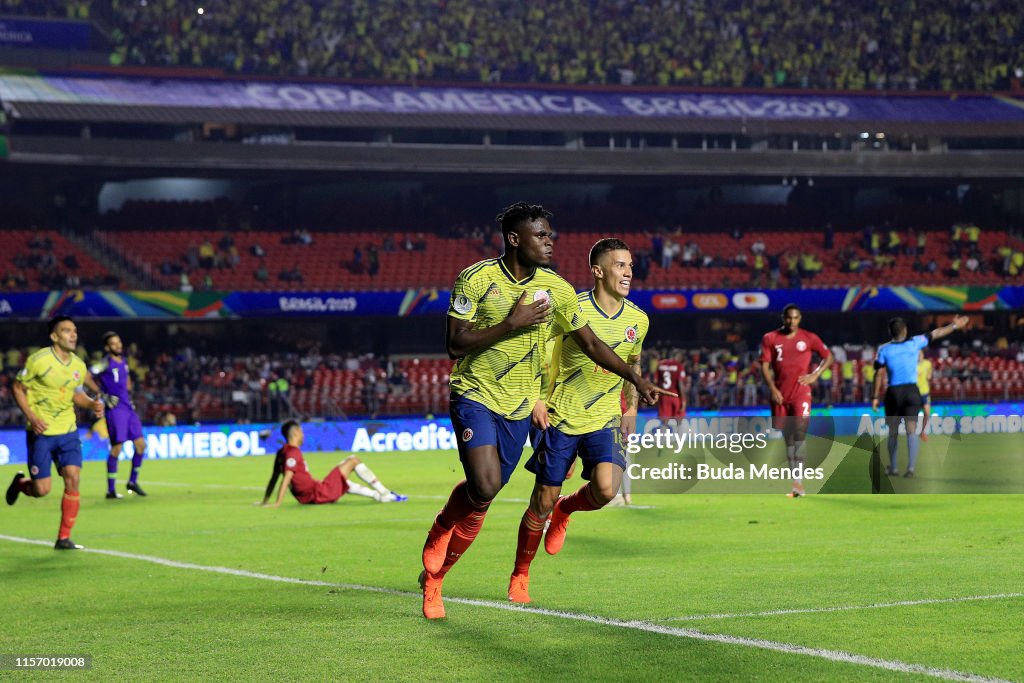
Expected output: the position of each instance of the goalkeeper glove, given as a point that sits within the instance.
(109, 400)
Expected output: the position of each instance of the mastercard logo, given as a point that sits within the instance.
(750, 300)
(669, 302)
(710, 301)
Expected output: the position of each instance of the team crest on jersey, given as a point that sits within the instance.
(462, 304)
(467, 435)
(542, 295)
(801, 345)
(34, 470)
(290, 462)
(494, 291)
(631, 333)
(77, 376)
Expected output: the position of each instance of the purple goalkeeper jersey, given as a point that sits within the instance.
(112, 377)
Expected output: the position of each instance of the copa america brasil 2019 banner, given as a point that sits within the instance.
(432, 301)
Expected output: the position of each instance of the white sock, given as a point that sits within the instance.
(361, 490)
(367, 475)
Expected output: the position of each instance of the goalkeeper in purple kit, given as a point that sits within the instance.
(123, 423)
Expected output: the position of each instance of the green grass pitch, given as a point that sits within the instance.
(696, 564)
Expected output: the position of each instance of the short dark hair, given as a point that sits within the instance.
(791, 307)
(604, 246)
(287, 428)
(108, 335)
(512, 215)
(897, 325)
(52, 325)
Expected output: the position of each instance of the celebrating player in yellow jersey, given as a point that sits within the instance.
(582, 414)
(47, 390)
(499, 321)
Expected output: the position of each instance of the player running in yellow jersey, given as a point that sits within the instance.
(47, 390)
(582, 414)
(499, 321)
(924, 377)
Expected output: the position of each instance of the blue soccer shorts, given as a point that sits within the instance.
(554, 451)
(477, 425)
(62, 449)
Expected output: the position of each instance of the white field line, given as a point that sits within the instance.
(634, 625)
(844, 608)
(180, 484)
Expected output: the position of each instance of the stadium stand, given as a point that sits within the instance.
(44, 259)
(928, 44)
(413, 260)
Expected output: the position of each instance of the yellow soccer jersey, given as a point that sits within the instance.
(506, 377)
(51, 386)
(586, 396)
(923, 368)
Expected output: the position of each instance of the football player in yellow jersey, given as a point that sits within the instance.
(499, 321)
(47, 390)
(924, 377)
(582, 414)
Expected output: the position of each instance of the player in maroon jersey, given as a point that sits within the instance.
(786, 367)
(290, 464)
(670, 375)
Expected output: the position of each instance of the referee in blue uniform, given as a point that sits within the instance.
(896, 363)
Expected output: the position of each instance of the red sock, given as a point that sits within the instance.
(462, 537)
(27, 488)
(458, 507)
(581, 501)
(68, 513)
(530, 531)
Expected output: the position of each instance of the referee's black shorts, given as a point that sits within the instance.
(902, 400)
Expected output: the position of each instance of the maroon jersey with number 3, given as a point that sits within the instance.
(669, 375)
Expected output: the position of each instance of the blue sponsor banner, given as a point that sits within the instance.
(431, 301)
(405, 435)
(520, 102)
(51, 34)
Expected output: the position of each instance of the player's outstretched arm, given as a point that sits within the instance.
(960, 322)
(881, 381)
(462, 339)
(599, 352)
(273, 481)
(628, 425)
(285, 482)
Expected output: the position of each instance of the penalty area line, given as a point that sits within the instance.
(634, 625)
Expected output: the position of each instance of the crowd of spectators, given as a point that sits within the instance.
(881, 249)
(883, 44)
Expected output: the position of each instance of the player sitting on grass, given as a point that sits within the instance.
(582, 414)
(307, 490)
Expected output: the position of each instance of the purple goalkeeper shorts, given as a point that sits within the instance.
(123, 425)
